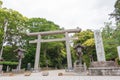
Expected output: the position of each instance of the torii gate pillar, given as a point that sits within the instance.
(69, 61)
(37, 55)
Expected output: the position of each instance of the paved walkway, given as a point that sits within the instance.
(53, 75)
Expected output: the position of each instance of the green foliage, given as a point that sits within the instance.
(112, 37)
(116, 34)
(84, 35)
(9, 54)
(15, 28)
(52, 51)
(8, 63)
(1, 39)
(117, 61)
(41, 24)
(117, 4)
(1, 3)
(116, 13)
(89, 43)
(110, 41)
(86, 38)
(86, 59)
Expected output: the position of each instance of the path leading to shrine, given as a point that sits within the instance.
(53, 75)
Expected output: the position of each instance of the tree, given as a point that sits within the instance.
(110, 41)
(116, 34)
(1, 4)
(111, 34)
(16, 26)
(116, 13)
(86, 38)
(51, 52)
(16, 29)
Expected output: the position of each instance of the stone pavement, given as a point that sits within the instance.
(53, 75)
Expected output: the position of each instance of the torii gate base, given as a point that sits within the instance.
(39, 40)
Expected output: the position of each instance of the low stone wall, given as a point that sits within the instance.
(104, 68)
(111, 71)
(103, 64)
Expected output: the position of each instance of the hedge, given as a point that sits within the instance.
(8, 63)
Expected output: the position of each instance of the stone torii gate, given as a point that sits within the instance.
(66, 38)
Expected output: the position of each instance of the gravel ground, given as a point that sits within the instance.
(53, 75)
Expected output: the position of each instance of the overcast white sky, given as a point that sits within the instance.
(86, 14)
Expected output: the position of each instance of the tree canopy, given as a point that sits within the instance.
(17, 27)
(116, 12)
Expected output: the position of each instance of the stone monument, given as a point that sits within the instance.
(101, 66)
(99, 46)
(29, 66)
